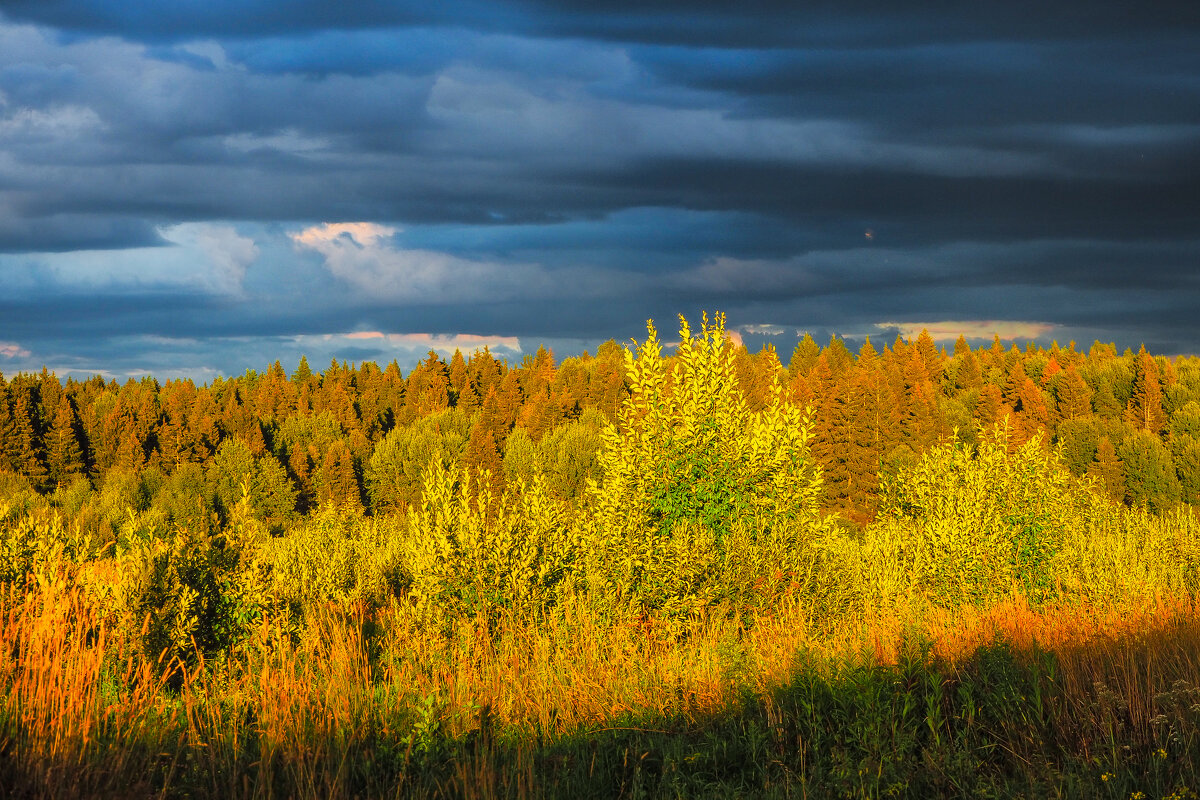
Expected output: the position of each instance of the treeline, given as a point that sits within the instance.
(360, 437)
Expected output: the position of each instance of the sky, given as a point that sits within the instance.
(202, 187)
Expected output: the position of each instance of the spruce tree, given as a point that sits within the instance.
(8, 434)
(1108, 470)
(27, 448)
(303, 373)
(804, 356)
(63, 456)
(336, 480)
(459, 378)
(1145, 407)
(1074, 399)
(489, 434)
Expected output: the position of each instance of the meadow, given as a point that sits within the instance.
(693, 621)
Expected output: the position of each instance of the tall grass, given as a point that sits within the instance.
(1012, 699)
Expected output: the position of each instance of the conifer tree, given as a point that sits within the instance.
(968, 374)
(606, 388)
(509, 398)
(391, 389)
(336, 480)
(303, 373)
(63, 456)
(1104, 400)
(130, 454)
(1014, 384)
(488, 436)
(919, 422)
(930, 356)
(987, 410)
(1034, 416)
(8, 436)
(459, 378)
(1108, 470)
(759, 380)
(1053, 368)
(804, 356)
(848, 447)
(838, 356)
(1074, 396)
(427, 390)
(1145, 407)
(1150, 478)
(1078, 439)
(1186, 454)
(28, 456)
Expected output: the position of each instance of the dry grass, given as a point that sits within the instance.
(305, 712)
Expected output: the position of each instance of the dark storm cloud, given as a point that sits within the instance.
(574, 168)
(59, 232)
(760, 22)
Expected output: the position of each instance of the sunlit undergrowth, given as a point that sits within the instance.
(688, 624)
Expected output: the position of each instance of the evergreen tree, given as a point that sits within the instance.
(606, 387)
(1034, 416)
(1105, 402)
(272, 493)
(1145, 407)
(336, 481)
(8, 435)
(1186, 454)
(509, 398)
(28, 456)
(1108, 470)
(63, 456)
(1052, 369)
(804, 356)
(459, 378)
(930, 357)
(987, 410)
(232, 470)
(1150, 478)
(1079, 439)
(428, 389)
(1074, 396)
(968, 374)
(838, 356)
(303, 373)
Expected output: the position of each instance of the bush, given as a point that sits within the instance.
(688, 467)
(469, 552)
(971, 524)
(333, 556)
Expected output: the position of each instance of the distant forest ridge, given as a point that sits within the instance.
(359, 436)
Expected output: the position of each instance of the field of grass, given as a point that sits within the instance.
(1011, 701)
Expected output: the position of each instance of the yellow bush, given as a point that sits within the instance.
(695, 487)
(468, 550)
(333, 556)
(971, 524)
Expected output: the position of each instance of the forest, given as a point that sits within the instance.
(660, 570)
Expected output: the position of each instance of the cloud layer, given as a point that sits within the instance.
(242, 180)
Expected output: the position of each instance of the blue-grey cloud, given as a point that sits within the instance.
(562, 171)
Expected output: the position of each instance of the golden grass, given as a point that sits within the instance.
(84, 713)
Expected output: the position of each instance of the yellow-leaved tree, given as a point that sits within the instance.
(699, 498)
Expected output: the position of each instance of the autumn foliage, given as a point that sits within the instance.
(861, 568)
